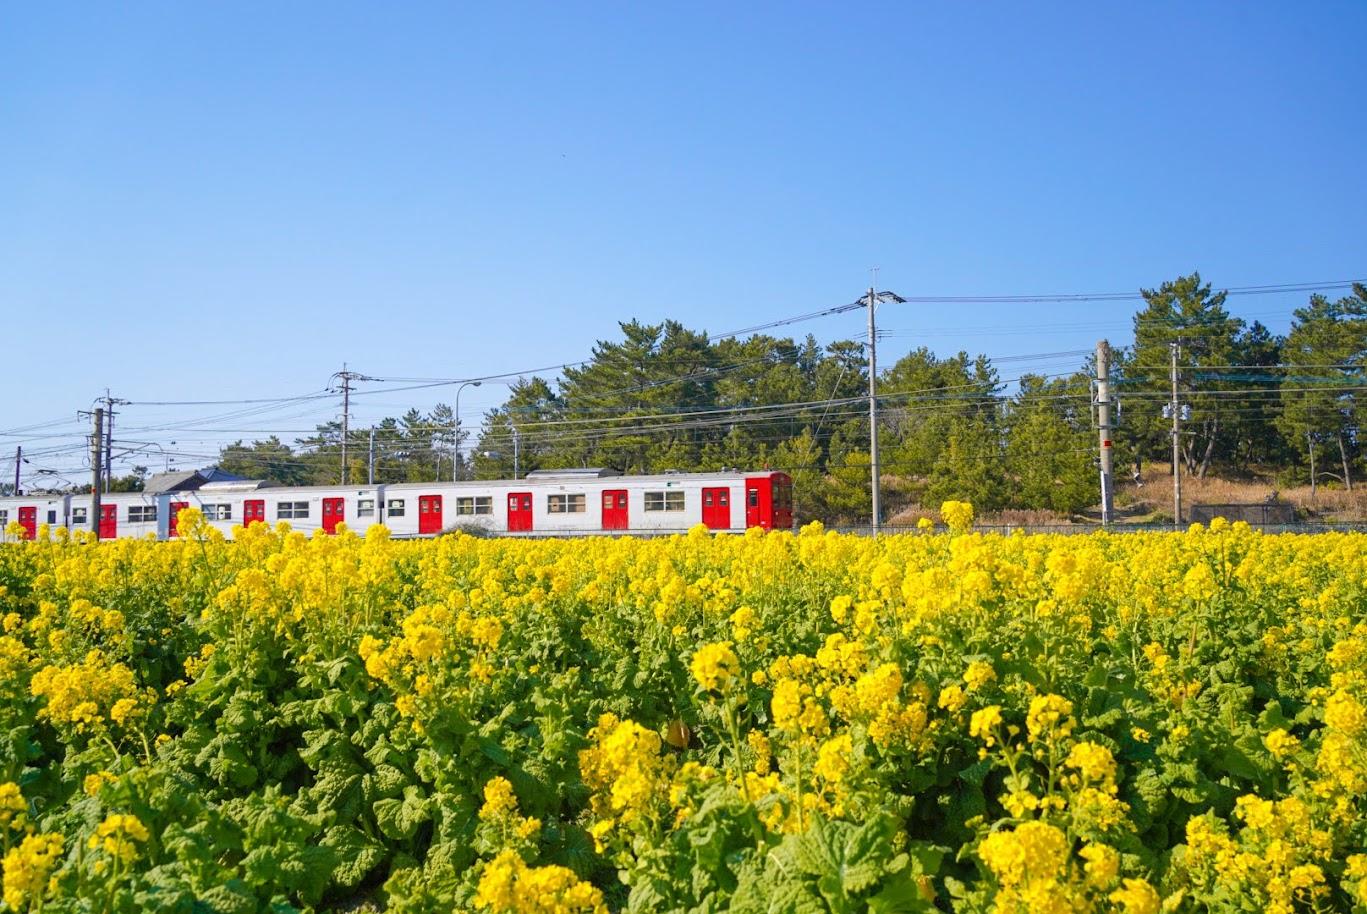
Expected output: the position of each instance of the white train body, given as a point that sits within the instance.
(545, 503)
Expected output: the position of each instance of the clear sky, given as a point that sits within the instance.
(226, 201)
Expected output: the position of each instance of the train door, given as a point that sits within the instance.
(109, 522)
(429, 513)
(782, 488)
(28, 519)
(519, 511)
(334, 512)
(716, 508)
(757, 503)
(253, 511)
(173, 517)
(614, 509)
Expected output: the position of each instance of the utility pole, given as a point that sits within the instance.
(1103, 421)
(871, 302)
(346, 378)
(109, 404)
(874, 479)
(96, 468)
(370, 460)
(517, 450)
(1176, 443)
(18, 461)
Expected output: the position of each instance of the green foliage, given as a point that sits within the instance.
(666, 397)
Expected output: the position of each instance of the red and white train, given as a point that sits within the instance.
(544, 503)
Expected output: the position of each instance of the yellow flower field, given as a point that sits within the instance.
(758, 723)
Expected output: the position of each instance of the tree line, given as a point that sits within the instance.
(666, 397)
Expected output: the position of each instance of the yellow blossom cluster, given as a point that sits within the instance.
(27, 869)
(85, 695)
(509, 886)
(119, 836)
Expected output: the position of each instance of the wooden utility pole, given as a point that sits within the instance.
(1103, 421)
(96, 468)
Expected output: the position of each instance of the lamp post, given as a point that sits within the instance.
(455, 464)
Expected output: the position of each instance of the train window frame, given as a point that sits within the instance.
(4, 518)
(665, 500)
(365, 507)
(474, 505)
(78, 516)
(395, 508)
(291, 510)
(142, 514)
(219, 511)
(566, 503)
(52, 517)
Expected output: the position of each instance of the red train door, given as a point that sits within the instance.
(614, 509)
(716, 508)
(757, 503)
(253, 511)
(519, 511)
(28, 519)
(429, 513)
(109, 522)
(173, 522)
(334, 513)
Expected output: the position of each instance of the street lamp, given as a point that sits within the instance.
(455, 464)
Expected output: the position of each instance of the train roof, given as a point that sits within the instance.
(563, 479)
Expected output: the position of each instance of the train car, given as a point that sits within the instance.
(32, 512)
(569, 502)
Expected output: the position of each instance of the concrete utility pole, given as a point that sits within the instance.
(1176, 443)
(1103, 422)
(370, 459)
(18, 461)
(109, 404)
(871, 302)
(96, 468)
(517, 450)
(346, 378)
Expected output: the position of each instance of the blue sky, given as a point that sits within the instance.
(228, 201)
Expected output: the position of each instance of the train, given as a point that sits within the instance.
(568, 502)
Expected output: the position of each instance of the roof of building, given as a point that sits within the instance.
(217, 474)
(174, 481)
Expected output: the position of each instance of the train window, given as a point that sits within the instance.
(664, 501)
(78, 516)
(365, 507)
(783, 495)
(607, 501)
(52, 517)
(289, 510)
(142, 514)
(476, 504)
(218, 512)
(707, 499)
(565, 504)
(754, 498)
(396, 507)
